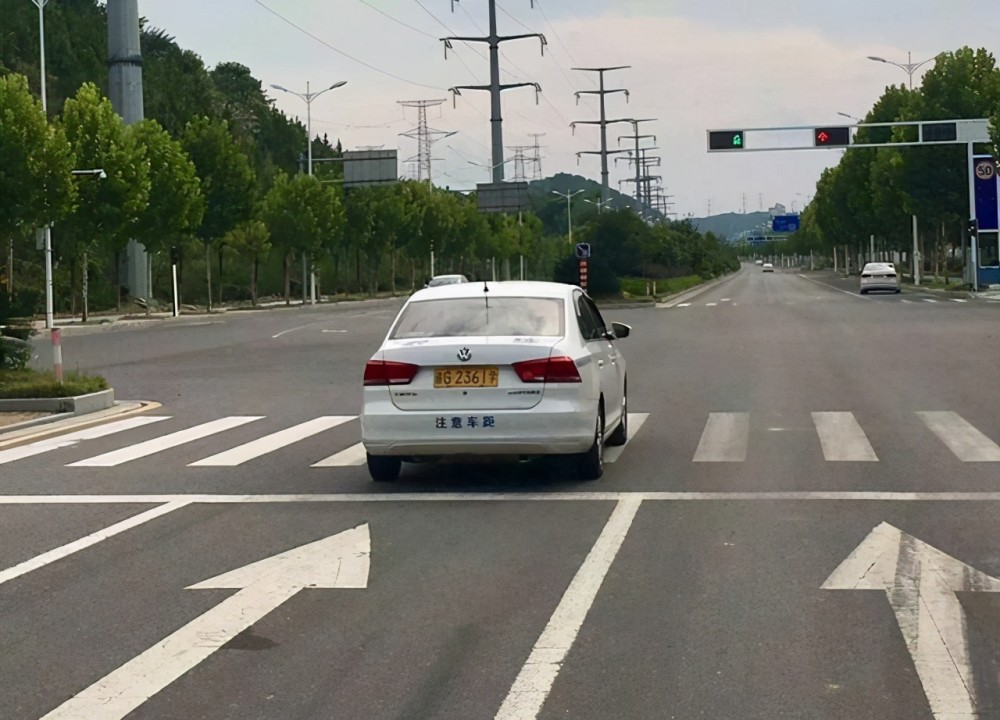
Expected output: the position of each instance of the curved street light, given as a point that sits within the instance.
(909, 67)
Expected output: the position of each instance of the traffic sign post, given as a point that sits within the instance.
(583, 251)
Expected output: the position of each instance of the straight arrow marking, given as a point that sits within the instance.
(920, 582)
(338, 561)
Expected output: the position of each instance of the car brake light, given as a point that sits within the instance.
(558, 369)
(387, 372)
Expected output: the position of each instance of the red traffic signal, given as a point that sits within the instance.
(833, 136)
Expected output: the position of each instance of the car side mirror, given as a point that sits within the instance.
(620, 330)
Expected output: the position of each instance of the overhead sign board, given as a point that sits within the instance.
(985, 181)
(370, 167)
(508, 197)
(785, 223)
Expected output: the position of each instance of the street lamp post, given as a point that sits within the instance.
(308, 97)
(909, 68)
(600, 204)
(47, 230)
(569, 209)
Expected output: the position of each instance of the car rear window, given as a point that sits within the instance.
(474, 317)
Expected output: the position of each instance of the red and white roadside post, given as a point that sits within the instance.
(583, 274)
(57, 364)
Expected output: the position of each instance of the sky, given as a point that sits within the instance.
(694, 65)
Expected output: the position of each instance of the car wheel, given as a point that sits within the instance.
(383, 468)
(864, 292)
(590, 465)
(620, 436)
(898, 291)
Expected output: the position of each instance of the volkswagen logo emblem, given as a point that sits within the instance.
(465, 354)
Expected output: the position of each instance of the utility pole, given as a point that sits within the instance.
(537, 158)
(125, 92)
(424, 135)
(602, 91)
(495, 87)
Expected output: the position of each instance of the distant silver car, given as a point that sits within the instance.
(768, 267)
(879, 276)
(439, 280)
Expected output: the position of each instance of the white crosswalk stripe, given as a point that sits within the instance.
(150, 447)
(842, 438)
(65, 441)
(962, 438)
(724, 439)
(269, 443)
(354, 456)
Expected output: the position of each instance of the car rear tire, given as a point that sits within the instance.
(864, 292)
(383, 468)
(590, 465)
(620, 436)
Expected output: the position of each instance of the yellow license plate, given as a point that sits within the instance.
(466, 377)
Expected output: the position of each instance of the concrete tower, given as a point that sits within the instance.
(125, 89)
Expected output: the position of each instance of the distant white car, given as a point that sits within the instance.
(880, 276)
(439, 280)
(759, 262)
(768, 267)
(500, 370)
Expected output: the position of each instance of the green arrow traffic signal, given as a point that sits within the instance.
(725, 140)
(738, 140)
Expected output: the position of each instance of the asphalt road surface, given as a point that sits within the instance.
(803, 525)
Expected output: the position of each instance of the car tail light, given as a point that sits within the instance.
(387, 372)
(558, 369)
(866, 275)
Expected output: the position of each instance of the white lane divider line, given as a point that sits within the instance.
(684, 305)
(275, 441)
(907, 302)
(930, 300)
(354, 456)
(711, 304)
(842, 438)
(724, 439)
(958, 300)
(635, 422)
(71, 439)
(87, 541)
(726, 300)
(534, 683)
(961, 437)
(150, 447)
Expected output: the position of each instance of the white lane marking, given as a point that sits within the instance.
(711, 304)
(842, 438)
(724, 438)
(143, 449)
(684, 305)
(534, 683)
(920, 583)
(354, 456)
(635, 422)
(237, 499)
(338, 561)
(930, 300)
(856, 296)
(907, 302)
(290, 330)
(961, 437)
(958, 300)
(337, 332)
(47, 558)
(71, 439)
(726, 300)
(275, 441)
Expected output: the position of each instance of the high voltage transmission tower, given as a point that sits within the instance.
(424, 135)
(537, 158)
(603, 123)
(521, 159)
(495, 87)
(635, 159)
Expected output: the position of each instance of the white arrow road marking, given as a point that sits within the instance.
(59, 553)
(275, 441)
(63, 441)
(534, 683)
(842, 438)
(339, 561)
(920, 582)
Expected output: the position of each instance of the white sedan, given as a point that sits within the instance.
(880, 276)
(505, 370)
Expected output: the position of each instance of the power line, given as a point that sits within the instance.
(341, 52)
(396, 20)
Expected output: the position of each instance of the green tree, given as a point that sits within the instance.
(251, 240)
(227, 182)
(176, 206)
(107, 213)
(37, 160)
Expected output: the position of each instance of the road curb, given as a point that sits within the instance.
(59, 423)
(76, 405)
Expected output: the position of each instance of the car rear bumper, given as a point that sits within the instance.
(880, 286)
(550, 428)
